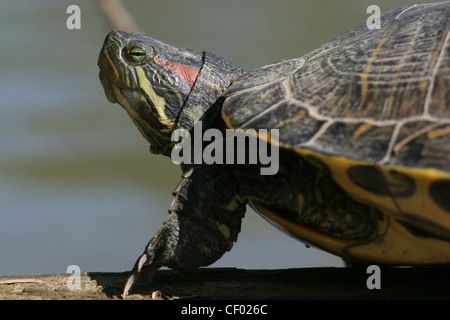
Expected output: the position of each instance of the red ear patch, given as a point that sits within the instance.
(189, 74)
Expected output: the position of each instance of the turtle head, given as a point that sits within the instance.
(162, 87)
(150, 80)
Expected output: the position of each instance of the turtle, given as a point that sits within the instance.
(362, 132)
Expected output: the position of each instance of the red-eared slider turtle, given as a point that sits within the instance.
(364, 140)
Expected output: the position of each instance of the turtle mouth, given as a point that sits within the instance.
(107, 87)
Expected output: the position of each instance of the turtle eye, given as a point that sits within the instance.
(137, 54)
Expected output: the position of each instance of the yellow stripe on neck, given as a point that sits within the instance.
(158, 102)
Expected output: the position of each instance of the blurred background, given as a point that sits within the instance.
(78, 184)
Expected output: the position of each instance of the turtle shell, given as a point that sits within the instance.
(372, 108)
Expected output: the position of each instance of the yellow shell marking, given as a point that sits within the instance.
(365, 72)
(437, 133)
(361, 129)
(419, 203)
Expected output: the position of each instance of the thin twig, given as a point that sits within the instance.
(11, 281)
(118, 17)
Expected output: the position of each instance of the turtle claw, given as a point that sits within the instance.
(136, 272)
(130, 282)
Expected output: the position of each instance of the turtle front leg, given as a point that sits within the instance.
(204, 222)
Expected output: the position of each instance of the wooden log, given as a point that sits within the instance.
(230, 283)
